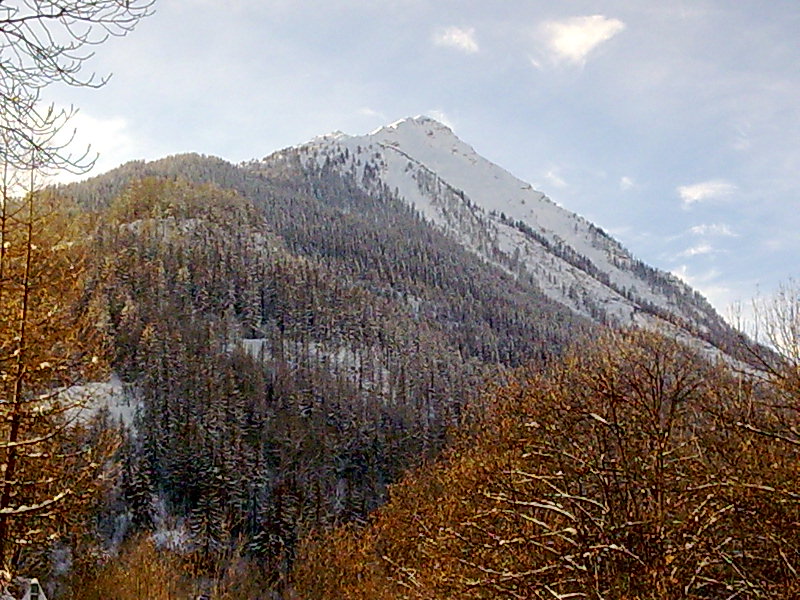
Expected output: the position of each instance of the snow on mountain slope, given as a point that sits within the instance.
(508, 223)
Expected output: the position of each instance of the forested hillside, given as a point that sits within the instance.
(505, 221)
(631, 469)
(376, 367)
(291, 345)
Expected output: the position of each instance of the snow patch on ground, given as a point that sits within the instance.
(361, 368)
(93, 397)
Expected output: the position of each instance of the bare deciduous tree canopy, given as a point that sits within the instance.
(48, 41)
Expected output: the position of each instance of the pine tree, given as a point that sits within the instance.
(138, 490)
(207, 520)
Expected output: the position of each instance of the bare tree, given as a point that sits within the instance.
(774, 414)
(44, 42)
(777, 325)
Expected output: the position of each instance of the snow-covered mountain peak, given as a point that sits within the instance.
(333, 136)
(508, 223)
(420, 122)
(422, 138)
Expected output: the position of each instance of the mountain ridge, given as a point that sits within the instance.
(480, 206)
(502, 219)
(293, 334)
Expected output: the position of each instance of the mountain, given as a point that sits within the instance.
(559, 257)
(294, 333)
(289, 344)
(513, 227)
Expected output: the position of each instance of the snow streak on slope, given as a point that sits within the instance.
(90, 398)
(508, 223)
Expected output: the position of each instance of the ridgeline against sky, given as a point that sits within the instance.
(672, 126)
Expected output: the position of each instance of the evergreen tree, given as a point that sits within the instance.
(138, 491)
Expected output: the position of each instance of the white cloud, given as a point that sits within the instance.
(555, 179)
(774, 244)
(697, 250)
(626, 183)
(742, 138)
(366, 111)
(705, 190)
(108, 139)
(720, 296)
(713, 229)
(571, 40)
(458, 38)
(682, 272)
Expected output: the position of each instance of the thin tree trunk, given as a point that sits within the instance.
(16, 401)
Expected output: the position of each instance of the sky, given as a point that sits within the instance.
(674, 126)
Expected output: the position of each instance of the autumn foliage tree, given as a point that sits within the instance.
(49, 461)
(624, 472)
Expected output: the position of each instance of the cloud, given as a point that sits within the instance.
(441, 116)
(705, 190)
(626, 183)
(108, 139)
(555, 179)
(713, 229)
(720, 296)
(458, 38)
(571, 40)
(742, 139)
(774, 244)
(366, 111)
(682, 272)
(697, 250)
